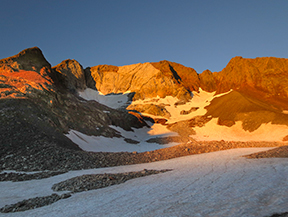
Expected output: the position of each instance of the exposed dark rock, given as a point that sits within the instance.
(152, 109)
(185, 128)
(284, 214)
(90, 182)
(18, 177)
(72, 75)
(33, 203)
(193, 109)
(30, 59)
(160, 121)
(285, 139)
(166, 140)
(131, 141)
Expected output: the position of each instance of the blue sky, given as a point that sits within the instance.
(202, 34)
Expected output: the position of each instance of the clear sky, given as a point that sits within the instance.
(202, 34)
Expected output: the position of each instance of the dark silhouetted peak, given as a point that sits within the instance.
(71, 74)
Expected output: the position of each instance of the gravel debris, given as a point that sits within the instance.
(33, 203)
(43, 156)
(18, 177)
(96, 181)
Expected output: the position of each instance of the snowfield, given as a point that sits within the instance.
(101, 143)
(213, 184)
(113, 100)
(211, 130)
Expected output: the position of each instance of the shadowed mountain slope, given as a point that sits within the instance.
(44, 102)
(236, 106)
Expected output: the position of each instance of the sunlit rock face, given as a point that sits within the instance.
(145, 80)
(25, 74)
(264, 77)
(207, 81)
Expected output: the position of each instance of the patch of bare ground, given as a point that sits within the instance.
(54, 158)
(194, 147)
(280, 152)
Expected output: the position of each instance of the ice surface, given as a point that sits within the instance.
(213, 184)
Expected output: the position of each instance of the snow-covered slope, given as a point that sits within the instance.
(214, 184)
(113, 100)
(178, 112)
(115, 144)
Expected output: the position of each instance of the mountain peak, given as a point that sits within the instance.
(31, 59)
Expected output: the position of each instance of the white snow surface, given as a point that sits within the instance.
(104, 144)
(112, 100)
(200, 99)
(266, 132)
(211, 130)
(212, 184)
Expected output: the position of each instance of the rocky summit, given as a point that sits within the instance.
(135, 108)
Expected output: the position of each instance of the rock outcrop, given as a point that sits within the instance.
(151, 109)
(25, 74)
(266, 77)
(40, 104)
(30, 59)
(187, 76)
(207, 81)
(71, 75)
(145, 80)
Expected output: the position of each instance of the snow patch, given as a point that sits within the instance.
(104, 144)
(266, 132)
(114, 101)
(200, 100)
